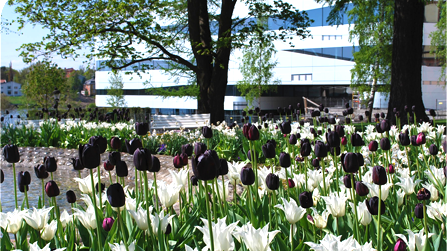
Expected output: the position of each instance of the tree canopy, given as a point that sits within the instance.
(195, 35)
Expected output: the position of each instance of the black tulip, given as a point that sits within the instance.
(194, 180)
(177, 162)
(223, 170)
(382, 115)
(413, 108)
(284, 160)
(373, 206)
(350, 163)
(204, 166)
(333, 139)
(360, 118)
(347, 181)
(335, 150)
(141, 128)
(361, 189)
(142, 159)
(331, 121)
(340, 130)
(413, 141)
(272, 181)
(432, 113)
(373, 146)
(71, 196)
(247, 176)
(115, 143)
(115, 195)
(155, 165)
(419, 211)
(293, 139)
(367, 113)
(23, 178)
(89, 155)
(356, 140)
(285, 127)
(379, 175)
(51, 189)
(100, 141)
(121, 169)
(187, 148)
(305, 149)
(348, 120)
(207, 132)
(11, 153)
(199, 148)
(269, 150)
(385, 144)
(133, 145)
(114, 157)
(385, 125)
(315, 163)
(423, 194)
(433, 149)
(253, 133)
(320, 149)
(360, 159)
(40, 172)
(350, 110)
(2, 176)
(305, 199)
(103, 186)
(108, 166)
(77, 164)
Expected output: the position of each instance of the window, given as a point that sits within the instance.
(15, 87)
(331, 37)
(15, 93)
(9, 92)
(9, 87)
(302, 77)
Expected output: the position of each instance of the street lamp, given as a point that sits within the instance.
(56, 95)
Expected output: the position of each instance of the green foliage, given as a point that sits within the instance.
(76, 81)
(5, 102)
(5, 73)
(438, 39)
(41, 82)
(115, 91)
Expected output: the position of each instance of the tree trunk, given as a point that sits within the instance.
(407, 59)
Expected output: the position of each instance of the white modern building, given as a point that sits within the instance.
(317, 68)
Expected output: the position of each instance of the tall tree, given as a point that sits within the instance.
(197, 35)
(41, 82)
(115, 91)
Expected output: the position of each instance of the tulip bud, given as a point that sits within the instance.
(247, 176)
(23, 178)
(194, 180)
(391, 169)
(385, 125)
(344, 141)
(291, 183)
(305, 149)
(50, 164)
(114, 157)
(356, 140)
(433, 149)
(108, 223)
(305, 199)
(361, 189)
(379, 175)
(285, 127)
(331, 121)
(347, 181)
(205, 167)
(373, 205)
(40, 172)
(71, 196)
(100, 141)
(11, 153)
(373, 145)
(419, 211)
(320, 149)
(293, 139)
(385, 144)
(89, 155)
(350, 163)
(272, 181)
(187, 148)
(400, 245)
(51, 189)
(223, 170)
(315, 163)
(103, 186)
(269, 150)
(121, 169)
(284, 160)
(2, 176)
(207, 132)
(199, 148)
(108, 166)
(420, 140)
(404, 139)
(423, 194)
(333, 139)
(133, 145)
(177, 161)
(115, 143)
(155, 165)
(77, 164)
(115, 195)
(141, 128)
(340, 130)
(142, 159)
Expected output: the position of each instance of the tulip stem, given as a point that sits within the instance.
(111, 182)
(291, 237)
(26, 197)
(43, 192)
(356, 233)
(146, 194)
(323, 169)
(305, 173)
(79, 174)
(156, 193)
(99, 187)
(218, 196)
(336, 172)
(254, 166)
(98, 224)
(379, 232)
(208, 213)
(15, 184)
(121, 225)
(224, 197)
(425, 225)
(408, 160)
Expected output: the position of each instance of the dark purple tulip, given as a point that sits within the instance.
(141, 128)
(433, 149)
(360, 118)
(121, 169)
(115, 143)
(293, 139)
(100, 141)
(379, 128)
(315, 163)
(423, 194)
(178, 162)
(333, 139)
(114, 157)
(373, 206)
(253, 133)
(11, 153)
(77, 164)
(385, 125)
(244, 113)
(142, 159)
(155, 165)
(340, 130)
(103, 186)
(194, 180)
(285, 127)
(272, 181)
(404, 139)
(391, 169)
(204, 166)
(344, 141)
(361, 189)
(51, 189)
(187, 148)
(23, 178)
(71, 196)
(356, 140)
(413, 140)
(347, 181)
(207, 132)
(40, 172)
(350, 163)
(419, 211)
(284, 160)
(382, 115)
(133, 145)
(115, 195)
(247, 176)
(420, 140)
(432, 113)
(2, 176)
(89, 155)
(315, 113)
(373, 146)
(350, 110)
(305, 149)
(385, 144)
(305, 199)
(379, 175)
(108, 166)
(360, 159)
(184, 159)
(400, 245)
(269, 150)
(291, 183)
(331, 121)
(50, 164)
(335, 150)
(223, 170)
(199, 148)
(320, 149)
(367, 113)
(257, 110)
(108, 223)
(326, 110)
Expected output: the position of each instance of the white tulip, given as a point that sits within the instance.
(49, 230)
(293, 212)
(140, 217)
(434, 194)
(180, 178)
(256, 239)
(331, 242)
(65, 218)
(437, 210)
(160, 220)
(400, 197)
(35, 247)
(87, 217)
(414, 240)
(223, 241)
(336, 204)
(320, 221)
(168, 194)
(121, 246)
(407, 184)
(12, 221)
(364, 216)
(37, 218)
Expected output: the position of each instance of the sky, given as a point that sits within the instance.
(11, 41)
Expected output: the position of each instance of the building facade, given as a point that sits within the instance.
(11, 89)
